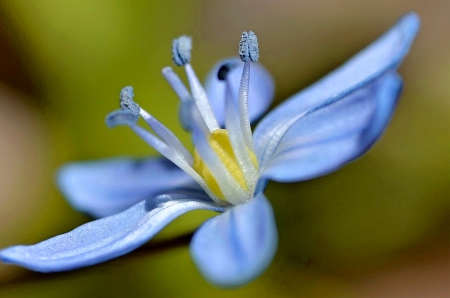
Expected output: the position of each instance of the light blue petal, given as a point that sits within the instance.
(335, 133)
(106, 187)
(104, 239)
(234, 248)
(384, 54)
(261, 91)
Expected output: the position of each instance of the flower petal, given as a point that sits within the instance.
(334, 133)
(235, 247)
(106, 187)
(261, 90)
(106, 238)
(383, 55)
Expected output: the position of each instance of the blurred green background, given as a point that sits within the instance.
(379, 227)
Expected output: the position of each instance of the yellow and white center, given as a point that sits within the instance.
(242, 187)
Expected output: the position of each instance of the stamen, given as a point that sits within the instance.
(181, 50)
(128, 116)
(181, 54)
(199, 96)
(187, 103)
(176, 84)
(167, 136)
(188, 111)
(248, 47)
(243, 106)
(122, 117)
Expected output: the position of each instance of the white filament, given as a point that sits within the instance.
(199, 96)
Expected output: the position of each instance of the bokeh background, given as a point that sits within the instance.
(379, 227)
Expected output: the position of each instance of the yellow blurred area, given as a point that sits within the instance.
(378, 227)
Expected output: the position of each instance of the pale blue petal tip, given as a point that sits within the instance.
(18, 255)
(412, 21)
(409, 25)
(379, 58)
(234, 248)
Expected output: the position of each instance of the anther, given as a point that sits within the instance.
(126, 101)
(248, 47)
(181, 50)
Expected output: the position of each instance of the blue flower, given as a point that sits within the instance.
(311, 134)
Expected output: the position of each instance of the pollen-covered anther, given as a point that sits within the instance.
(181, 50)
(126, 101)
(248, 47)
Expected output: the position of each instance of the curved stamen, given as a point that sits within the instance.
(127, 104)
(187, 103)
(121, 117)
(167, 136)
(176, 84)
(248, 51)
(181, 54)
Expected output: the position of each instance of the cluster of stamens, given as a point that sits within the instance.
(224, 163)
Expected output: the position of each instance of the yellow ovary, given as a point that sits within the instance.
(220, 143)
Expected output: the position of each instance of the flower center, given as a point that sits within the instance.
(221, 145)
(224, 163)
